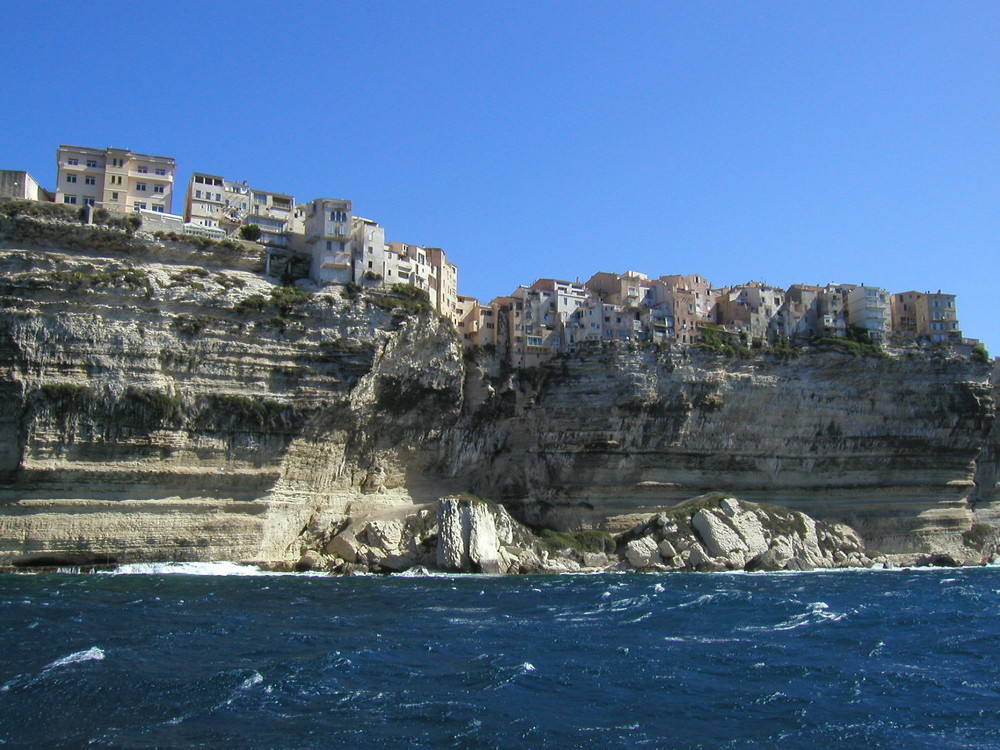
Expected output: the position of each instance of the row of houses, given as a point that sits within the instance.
(552, 317)
(339, 246)
(531, 324)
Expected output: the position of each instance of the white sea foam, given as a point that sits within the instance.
(698, 639)
(528, 666)
(200, 569)
(817, 612)
(255, 679)
(658, 588)
(91, 654)
(703, 599)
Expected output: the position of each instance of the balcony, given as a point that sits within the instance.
(337, 260)
(149, 176)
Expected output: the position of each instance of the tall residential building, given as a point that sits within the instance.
(328, 225)
(752, 309)
(213, 201)
(444, 282)
(869, 308)
(926, 314)
(114, 178)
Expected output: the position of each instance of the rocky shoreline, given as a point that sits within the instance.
(710, 533)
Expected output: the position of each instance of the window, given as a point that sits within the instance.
(329, 244)
(141, 187)
(69, 199)
(72, 162)
(90, 180)
(143, 170)
(140, 206)
(114, 196)
(92, 163)
(370, 264)
(161, 172)
(157, 188)
(158, 209)
(197, 193)
(218, 196)
(87, 201)
(71, 178)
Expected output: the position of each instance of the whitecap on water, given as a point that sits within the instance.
(817, 612)
(528, 666)
(200, 569)
(91, 654)
(658, 588)
(703, 599)
(255, 679)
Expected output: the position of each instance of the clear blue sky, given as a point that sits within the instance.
(776, 141)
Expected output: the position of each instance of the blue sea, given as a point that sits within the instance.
(169, 657)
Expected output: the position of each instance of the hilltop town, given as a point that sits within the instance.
(325, 241)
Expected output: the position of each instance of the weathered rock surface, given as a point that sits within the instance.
(156, 410)
(723, 533)
(902, 448)
(158, 404)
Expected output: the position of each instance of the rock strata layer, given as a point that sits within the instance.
(161, 404)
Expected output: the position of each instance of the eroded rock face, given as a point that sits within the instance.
(894, 446)
(478, 537)
(157, 408)
(152, 409)
(723, 533)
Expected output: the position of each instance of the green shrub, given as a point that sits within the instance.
(591, 540)
(150, 408)
(39, 210)
(251, 305)
(251, 232)
(66, 400)
(285, 297)
(979, 354)
(224, 413)
(397, 395)
(190, 325)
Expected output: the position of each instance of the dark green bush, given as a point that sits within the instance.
(286, 297)
(591, 540)
(232, 413)
(255, 303)
(251, 232)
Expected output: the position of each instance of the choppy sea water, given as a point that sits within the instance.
(888, 659)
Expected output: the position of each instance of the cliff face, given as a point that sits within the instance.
(156, 405)
(890, 446)
(156, 410)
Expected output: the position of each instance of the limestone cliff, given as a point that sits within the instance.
(903, 448)
(161, 402)
(156, 409)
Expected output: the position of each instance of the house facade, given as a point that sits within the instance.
(115, 179)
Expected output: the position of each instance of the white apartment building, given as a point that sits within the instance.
(115, 179)
(218, 203)
(327, 239)
(425, 268)
(870, 308)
